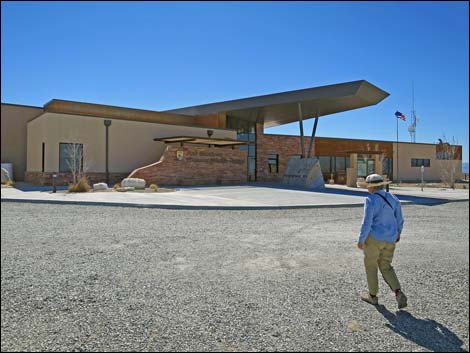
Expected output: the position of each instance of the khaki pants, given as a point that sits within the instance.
(379, 255)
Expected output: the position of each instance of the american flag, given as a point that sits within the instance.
(400, 115)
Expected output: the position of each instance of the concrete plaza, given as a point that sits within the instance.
(249, 196)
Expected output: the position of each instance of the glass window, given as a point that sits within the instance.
(361, 168)
(273, 163)
(325, 164)
(70, 157)
(419, 162)
(251, 169)
(340, 164)
(252, 150)
(387, 166)
(370, 166)
(246, 131)
(242, 136)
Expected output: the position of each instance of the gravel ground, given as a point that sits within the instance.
(78, 278)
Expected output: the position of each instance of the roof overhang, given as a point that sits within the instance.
(120, 113)
(201, 140)
(282, 108)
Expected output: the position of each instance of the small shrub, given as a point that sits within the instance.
(81, 186)
(117, 185)
(154, 187)
(9, 182)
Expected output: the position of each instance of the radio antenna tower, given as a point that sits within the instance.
(412, 127)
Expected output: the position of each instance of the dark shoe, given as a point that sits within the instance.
(402, 300)
(369, 299)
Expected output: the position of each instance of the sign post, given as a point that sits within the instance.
(422, 177)
(54, 176)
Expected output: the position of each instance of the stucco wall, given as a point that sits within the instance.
(13, 136)
(408, 151)
(131, 143)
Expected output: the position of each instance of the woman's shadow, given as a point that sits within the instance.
(426, 333)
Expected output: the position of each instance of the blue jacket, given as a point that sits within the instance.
(380, 220)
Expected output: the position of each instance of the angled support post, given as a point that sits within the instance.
(301, 125)
(312, 140)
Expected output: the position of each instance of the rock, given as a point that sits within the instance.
(354, 326)
(304, 172)
(125, 188)
(100, 186)
(133, 182)
(5, 176)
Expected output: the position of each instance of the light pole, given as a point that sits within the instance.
(107, 124)
(54, 176)
(422, 177)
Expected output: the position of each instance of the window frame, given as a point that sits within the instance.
(68, 169)
(418, 162)
(276, 162)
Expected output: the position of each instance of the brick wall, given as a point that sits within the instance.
(199, 166)
(287, 146)
(284, 146)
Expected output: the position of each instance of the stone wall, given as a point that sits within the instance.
(197, 166)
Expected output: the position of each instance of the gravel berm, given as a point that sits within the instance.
(94, 278)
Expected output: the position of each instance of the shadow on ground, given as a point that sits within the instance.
(427, 201)
(27, 188)
(430, 201)
(425, 333)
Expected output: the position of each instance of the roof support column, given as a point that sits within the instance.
(312, 140)
(301, 125)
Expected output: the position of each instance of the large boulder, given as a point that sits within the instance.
(304, 172)
(100, 186)
(133, 182)
(5, 176)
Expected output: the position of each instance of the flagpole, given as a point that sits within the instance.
(398, 168)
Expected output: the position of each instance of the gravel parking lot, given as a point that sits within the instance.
(94, 278)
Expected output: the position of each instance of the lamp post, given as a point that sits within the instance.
(210, 133)
(54, 176)
(107, 124)
(422, 177)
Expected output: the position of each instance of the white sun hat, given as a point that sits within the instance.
(373, 180)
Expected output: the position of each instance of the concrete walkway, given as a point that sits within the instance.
(249, 196)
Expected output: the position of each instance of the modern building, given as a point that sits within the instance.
(215, 143)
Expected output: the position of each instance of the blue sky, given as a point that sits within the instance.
(164, 55)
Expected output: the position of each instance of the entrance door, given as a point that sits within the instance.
(365, 167)
(246, 131)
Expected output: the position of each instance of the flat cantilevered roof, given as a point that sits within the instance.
(282, 108)
(201, 140)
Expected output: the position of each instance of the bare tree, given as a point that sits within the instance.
(446, 155)
(76, 161)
